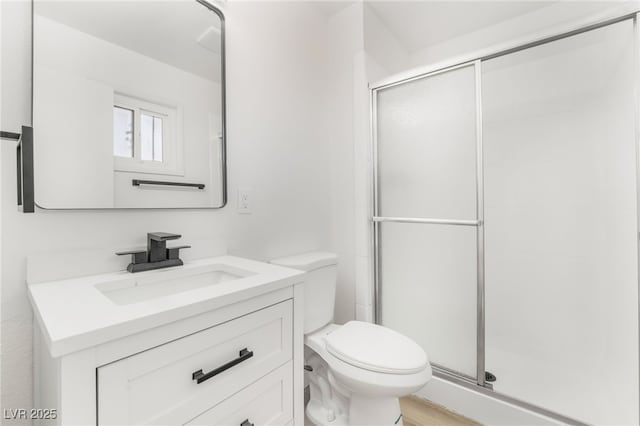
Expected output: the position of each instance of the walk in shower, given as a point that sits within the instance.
(506, 220)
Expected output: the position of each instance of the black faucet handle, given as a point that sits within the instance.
(162, 236)
(137, 256)
(174, 252)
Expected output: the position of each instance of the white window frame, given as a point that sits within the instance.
(172, 148)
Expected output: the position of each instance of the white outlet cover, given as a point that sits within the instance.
(244, 200)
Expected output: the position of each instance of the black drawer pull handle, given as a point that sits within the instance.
(200, 377)
(246, 423)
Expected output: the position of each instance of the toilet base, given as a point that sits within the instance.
(320, 416)
(362, 411)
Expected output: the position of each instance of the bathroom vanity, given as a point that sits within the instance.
(216, 341)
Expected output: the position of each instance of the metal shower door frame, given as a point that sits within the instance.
(476, 223)
(478, 383)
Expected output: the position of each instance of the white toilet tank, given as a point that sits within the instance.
(319, 286)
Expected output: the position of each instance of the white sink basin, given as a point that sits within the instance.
(160, 283)
(86, 311)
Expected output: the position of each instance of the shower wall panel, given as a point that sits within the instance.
(561, 225)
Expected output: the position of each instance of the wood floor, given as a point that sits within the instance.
(420, 412)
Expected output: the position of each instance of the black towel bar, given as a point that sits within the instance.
(138, 182)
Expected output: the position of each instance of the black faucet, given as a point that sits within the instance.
(157, 254)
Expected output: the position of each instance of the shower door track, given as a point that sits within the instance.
(469, 383)
(478, 384)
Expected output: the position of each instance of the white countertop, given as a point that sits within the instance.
(75, 315)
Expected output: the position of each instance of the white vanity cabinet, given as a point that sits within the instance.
(159, 387)
(240, 363)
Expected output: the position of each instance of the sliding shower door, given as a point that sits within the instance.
(506, 222)
(427, 205)
(561, 225)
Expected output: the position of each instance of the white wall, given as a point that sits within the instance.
(277, 98)
(382, 46)
(361, 50)
(345, 40)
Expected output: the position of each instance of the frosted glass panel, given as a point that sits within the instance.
(561, 226)
(428, 285)
(122, 132)
(151, 137)
(427, 147)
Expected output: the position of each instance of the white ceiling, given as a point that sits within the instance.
(164, 30)
(418, 24)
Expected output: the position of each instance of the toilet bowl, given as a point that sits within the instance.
(356, 371)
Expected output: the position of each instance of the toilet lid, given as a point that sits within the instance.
(375, 348)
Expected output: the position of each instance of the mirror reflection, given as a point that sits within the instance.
(128, 105)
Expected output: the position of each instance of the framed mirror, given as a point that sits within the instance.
(129, 104)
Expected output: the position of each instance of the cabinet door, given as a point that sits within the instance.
(157, 386)
(269, 401)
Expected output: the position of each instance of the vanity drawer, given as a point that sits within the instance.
(158, 386)
(269, 401)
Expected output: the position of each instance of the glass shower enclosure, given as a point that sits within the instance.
(506, 221)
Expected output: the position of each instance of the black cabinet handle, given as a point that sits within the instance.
(200, 377)
(246, 423)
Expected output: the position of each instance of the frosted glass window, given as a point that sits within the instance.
(426, 138)
(156, 142)
(150, 137)
(561, 225)
(429, 292)
(122, 132)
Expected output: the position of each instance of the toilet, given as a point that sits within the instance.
(356, 371)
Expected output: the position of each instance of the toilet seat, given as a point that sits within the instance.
(376, 348)
(361, 380)
(358, 371)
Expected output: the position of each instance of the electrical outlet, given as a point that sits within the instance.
(244, 200)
